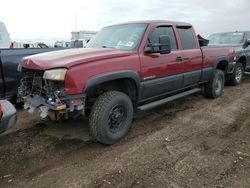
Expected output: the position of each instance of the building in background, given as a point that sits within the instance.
(5, 41)
(81, 38)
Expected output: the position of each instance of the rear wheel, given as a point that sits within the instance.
(111, 117)
(214, 87)
(236, 77)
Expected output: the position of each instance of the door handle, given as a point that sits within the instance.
(179, 58)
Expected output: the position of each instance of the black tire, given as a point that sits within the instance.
(236, 78)
(111, 117)
(214, 87)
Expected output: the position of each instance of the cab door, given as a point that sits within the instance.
(191, 56)
(161, 73)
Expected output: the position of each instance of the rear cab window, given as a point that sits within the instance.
(187, 37)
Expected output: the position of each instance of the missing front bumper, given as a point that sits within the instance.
(55, 109)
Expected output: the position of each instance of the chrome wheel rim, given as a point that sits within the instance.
(238, 74)
(218, 86)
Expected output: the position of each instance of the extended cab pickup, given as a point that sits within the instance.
(136, 65)
(240, 42)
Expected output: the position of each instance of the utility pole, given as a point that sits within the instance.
(75, 23)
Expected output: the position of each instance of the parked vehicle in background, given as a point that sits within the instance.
(16, 44)
(10, 59)
(80, 39)
(240, 41)
(78, 44)
(5, 41)
(7, 115)
(136, 65)
(62, 44)
(9, 75)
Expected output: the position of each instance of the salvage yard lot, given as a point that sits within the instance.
(192, 142)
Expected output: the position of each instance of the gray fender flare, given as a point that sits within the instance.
(99, 79)
(220, 59)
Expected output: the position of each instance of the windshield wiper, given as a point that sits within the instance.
(108, 47)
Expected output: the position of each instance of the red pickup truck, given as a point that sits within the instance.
(135, 65)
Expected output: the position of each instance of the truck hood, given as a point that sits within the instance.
(70, 57)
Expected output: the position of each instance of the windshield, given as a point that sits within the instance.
(123, 37)
(226, 38)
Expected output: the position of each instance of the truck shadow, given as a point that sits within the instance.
(68, 130)
(45, 145)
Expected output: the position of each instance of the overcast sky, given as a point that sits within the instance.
(28, 19)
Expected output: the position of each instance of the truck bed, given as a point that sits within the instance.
(212, 55)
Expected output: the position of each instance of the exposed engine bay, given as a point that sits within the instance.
(47, 95)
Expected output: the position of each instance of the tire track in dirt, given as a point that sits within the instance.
(207, 148)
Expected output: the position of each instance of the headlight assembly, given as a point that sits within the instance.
(55, 74)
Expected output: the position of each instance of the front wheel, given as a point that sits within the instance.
(236, 77)
(214, 87)
(111, 117)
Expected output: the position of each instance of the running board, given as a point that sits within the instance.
(168, 99)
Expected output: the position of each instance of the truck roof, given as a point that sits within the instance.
(155, 21)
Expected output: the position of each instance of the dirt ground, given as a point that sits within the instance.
(192, 142)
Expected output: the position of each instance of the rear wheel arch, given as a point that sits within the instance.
(222, 64)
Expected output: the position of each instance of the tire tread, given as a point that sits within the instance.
(97, 109)
(209, 87)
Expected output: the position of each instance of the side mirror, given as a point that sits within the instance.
(165, 44)
(163, 47)
(248, 42)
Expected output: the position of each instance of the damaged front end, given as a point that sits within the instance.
(46, 90)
